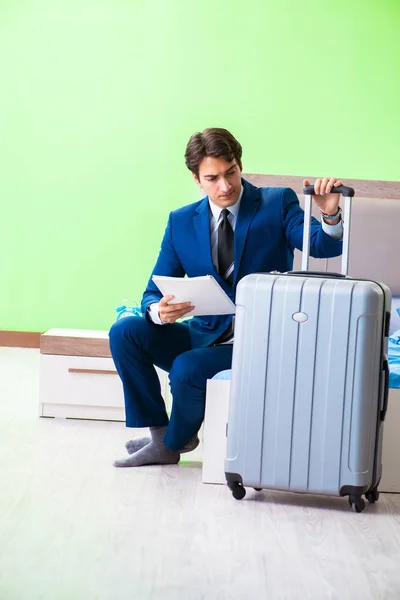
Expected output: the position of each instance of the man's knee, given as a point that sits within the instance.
(127, 329)
(186, 368)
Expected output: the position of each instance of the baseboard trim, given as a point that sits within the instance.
(20, 339)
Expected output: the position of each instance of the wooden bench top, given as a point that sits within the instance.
(75, 342)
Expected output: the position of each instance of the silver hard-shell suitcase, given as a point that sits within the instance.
(309, 385)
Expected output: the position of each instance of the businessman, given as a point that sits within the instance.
(235, 230)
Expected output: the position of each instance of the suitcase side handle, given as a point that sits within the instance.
(386, 389)
(319, 274)
(345, 190)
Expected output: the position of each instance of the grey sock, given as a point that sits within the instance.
(134, 445)
(190, 445)
(157, 434)
(154, 453)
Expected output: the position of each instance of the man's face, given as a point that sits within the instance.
(220, 180)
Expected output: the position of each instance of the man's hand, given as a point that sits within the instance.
(327, 203)
(169, 313)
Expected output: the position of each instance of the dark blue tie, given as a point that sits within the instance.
(225, 262)
(225, 248)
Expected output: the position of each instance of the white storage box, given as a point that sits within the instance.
(78, 378)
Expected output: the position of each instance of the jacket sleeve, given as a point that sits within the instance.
(168, 264)
(321, 244)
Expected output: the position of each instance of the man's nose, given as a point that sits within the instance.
(224, 185)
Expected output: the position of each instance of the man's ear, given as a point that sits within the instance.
(196, 179)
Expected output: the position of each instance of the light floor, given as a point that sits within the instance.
(73, 527)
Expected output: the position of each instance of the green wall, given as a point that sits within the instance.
(98, 99)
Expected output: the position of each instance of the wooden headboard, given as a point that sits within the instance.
(375, 232)
(389, 190)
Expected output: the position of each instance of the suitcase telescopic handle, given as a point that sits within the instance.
(345, 190)
(348, 193)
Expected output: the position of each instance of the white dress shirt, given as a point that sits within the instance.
(334, 231)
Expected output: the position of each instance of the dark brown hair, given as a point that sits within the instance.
(214, 142)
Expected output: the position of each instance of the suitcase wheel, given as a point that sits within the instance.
(238, 491)
(372, 496)
(357, 503)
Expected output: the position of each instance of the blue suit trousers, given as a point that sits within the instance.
(136, 346)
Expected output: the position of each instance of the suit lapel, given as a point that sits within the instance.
(248, 208)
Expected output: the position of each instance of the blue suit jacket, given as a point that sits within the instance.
(268, 228)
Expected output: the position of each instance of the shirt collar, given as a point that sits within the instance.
(234, 209)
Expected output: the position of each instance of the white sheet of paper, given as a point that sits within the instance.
(205, 294)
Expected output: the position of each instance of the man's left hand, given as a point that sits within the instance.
(327, 203)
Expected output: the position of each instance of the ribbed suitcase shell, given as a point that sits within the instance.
(306, 396)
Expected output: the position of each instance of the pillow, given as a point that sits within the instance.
(224, 375)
